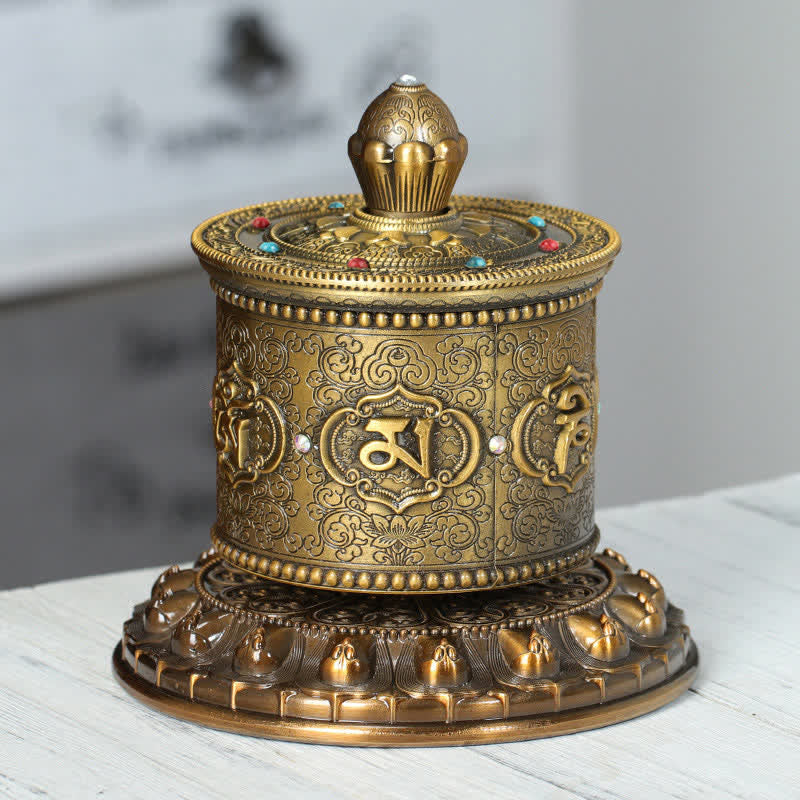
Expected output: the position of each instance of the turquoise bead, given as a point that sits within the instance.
(269, 247)
(537, 221)
(336, 204)
(476, 262)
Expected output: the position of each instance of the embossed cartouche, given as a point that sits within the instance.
(405, 418)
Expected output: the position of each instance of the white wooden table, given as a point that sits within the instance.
(68, 730)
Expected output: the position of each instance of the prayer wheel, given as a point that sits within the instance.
(405, 414)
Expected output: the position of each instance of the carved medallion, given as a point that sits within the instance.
(553, 436)
(249, 429)
(399, 448)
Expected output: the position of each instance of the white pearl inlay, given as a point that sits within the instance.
(497, 444)
(408, 80)
(302, 443)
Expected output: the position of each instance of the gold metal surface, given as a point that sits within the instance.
(405, 448)
(567, 407)
(296, 664)
(408, 734)
(407, 152)
(405, 415)
(409, 272)
(399, 490)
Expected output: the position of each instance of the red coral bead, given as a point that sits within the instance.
(358, 263)
(261, 222)
(549, 245)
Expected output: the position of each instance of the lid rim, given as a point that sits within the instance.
(434, 316)
(583, 261)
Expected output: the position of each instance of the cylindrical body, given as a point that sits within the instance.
(411, 427)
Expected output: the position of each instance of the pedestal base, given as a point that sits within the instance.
(220, 646)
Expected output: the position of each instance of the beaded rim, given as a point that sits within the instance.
(422, 582)
(395, 319)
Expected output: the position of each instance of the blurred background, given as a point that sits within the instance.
(127, 122)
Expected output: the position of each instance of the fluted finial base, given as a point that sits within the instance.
(407, 151)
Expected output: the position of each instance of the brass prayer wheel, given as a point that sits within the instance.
(405, 407)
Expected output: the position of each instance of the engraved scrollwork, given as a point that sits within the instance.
(343, 531)
(220, 574)
(528, 361)
(435, 118)
(571, 344)
(386, 612)
(543, 519)
(260, 516)
(273, 355)
(463, 369)
(270, 599)
(399, 361)
(338, 362)
(236, 344)
(461, 520)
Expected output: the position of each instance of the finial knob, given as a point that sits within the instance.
(407, 151)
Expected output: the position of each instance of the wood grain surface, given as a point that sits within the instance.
(68, 730)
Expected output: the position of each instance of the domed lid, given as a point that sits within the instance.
(405, 244)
